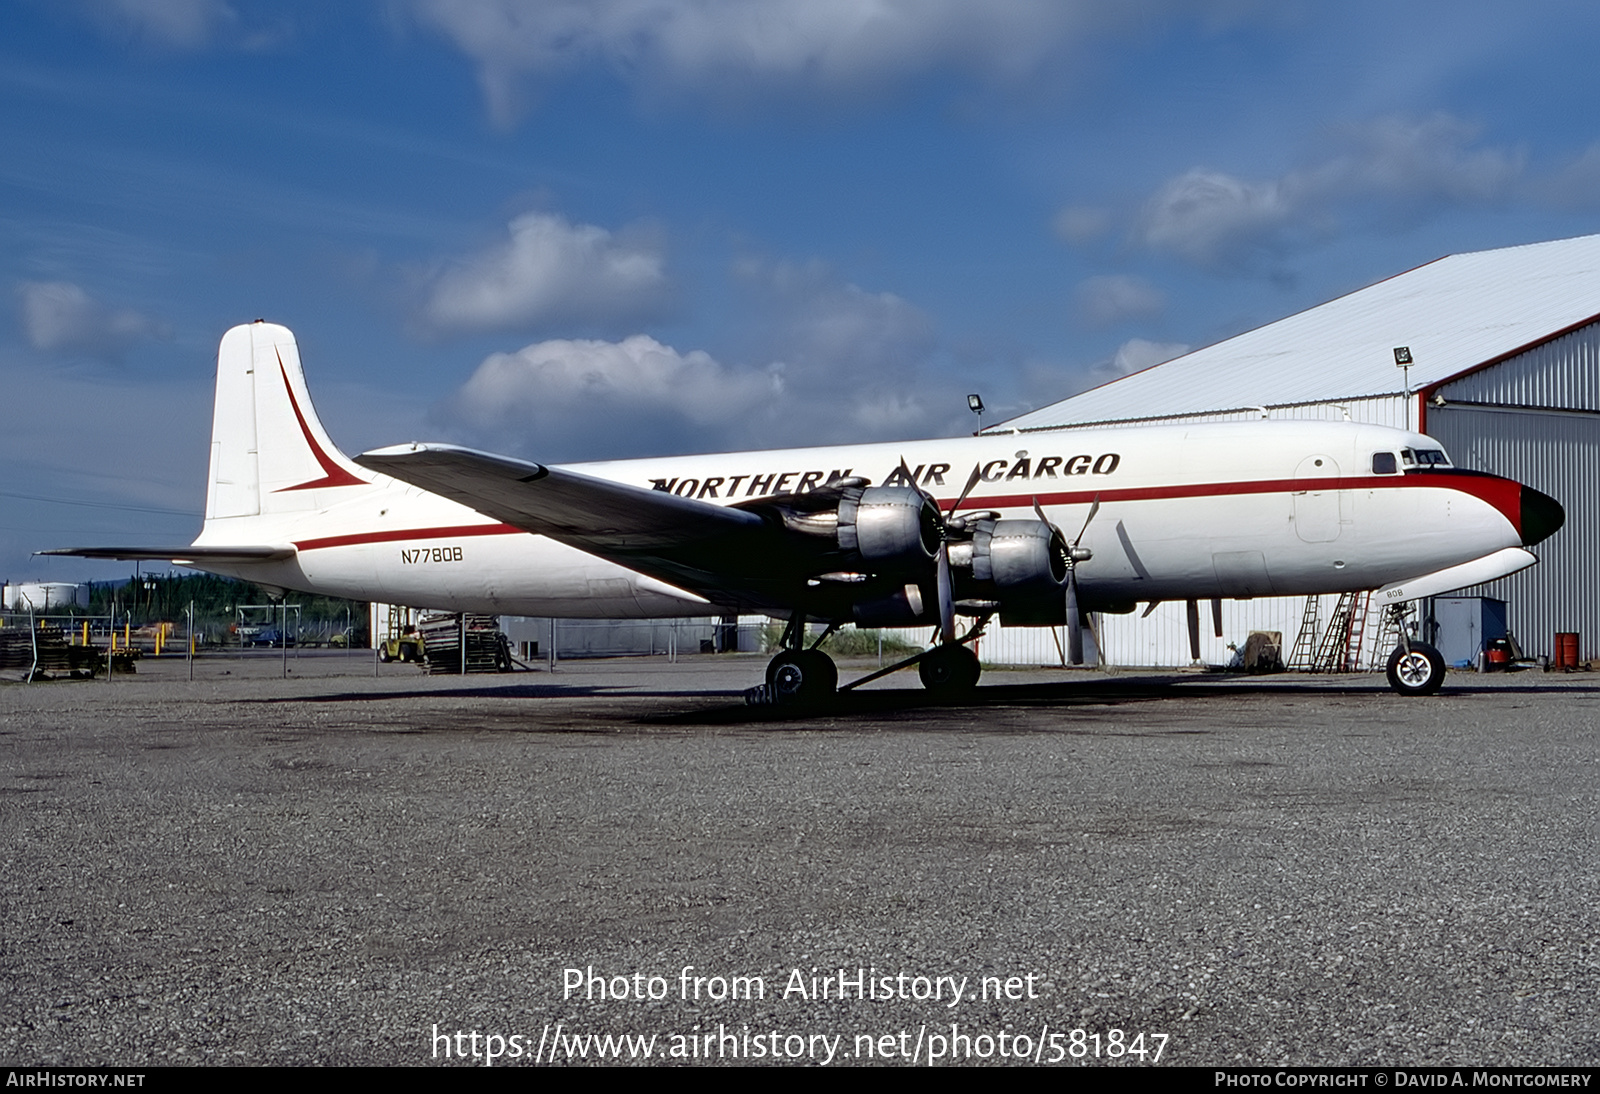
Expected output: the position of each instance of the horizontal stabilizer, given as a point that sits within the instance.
(1488, 568)
(177, 555)
(593, 514)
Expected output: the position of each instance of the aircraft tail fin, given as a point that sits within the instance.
(270, 454)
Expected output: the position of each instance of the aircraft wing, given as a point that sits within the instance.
(701, 547)
(178, 555)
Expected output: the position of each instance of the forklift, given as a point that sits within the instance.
(400, 641)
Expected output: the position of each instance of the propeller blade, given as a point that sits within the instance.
(1093, 509)
(947, 605)
(972, 480)
(1074, 620)
(910, 479)
(1194, 628)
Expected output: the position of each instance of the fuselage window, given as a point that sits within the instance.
(1383, 463)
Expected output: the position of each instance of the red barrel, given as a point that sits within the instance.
(1566, 649)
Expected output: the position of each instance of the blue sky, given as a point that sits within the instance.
(625, 227)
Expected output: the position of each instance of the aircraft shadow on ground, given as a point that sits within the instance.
(729, 709)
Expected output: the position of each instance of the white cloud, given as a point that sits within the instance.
(1212, 219)
(554, 379)
(60, 317)
(1577, 185)
(1135, 355)
(552, 271)
(860, 358)
(635, 396)
(181, 24)
(1107, 301)
(830, 46)
(823, 320)
(1080, 224)
(1385, 170)
(829, 362)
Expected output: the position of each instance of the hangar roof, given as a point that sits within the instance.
(1456, 314)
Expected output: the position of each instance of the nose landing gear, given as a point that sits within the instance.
(1416, 669)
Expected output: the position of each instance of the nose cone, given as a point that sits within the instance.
(1542, 515)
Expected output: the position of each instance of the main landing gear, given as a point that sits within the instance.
(798, 676)
(801, 677)
(949, 671)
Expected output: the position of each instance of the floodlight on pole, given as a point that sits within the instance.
(975, 404)
(1402, 360)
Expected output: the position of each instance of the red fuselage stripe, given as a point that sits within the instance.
(399, 534)
(1503, 494)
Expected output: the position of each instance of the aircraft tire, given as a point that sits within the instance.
(799, 677)
(950, 671)
(1419, 671)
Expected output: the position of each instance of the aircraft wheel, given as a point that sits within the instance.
(950, 671)
(1419, 671)
(801, 676)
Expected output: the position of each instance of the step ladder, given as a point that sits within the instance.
(1334, 647)
(1302, 658)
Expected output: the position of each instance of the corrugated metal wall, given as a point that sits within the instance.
(1556, 450)
(1562, 374)
(1558, 453)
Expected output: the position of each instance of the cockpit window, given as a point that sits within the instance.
(1424, 457)
(1383, 463)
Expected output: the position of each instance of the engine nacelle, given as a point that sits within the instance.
(889, 527)
(903, 607)
(1021, 565)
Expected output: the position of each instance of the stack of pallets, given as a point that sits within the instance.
(487, 649)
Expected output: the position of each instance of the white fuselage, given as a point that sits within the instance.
(1224, 510)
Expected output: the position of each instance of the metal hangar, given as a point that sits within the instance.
(1504, 349)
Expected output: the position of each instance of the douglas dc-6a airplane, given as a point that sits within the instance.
(880, 535)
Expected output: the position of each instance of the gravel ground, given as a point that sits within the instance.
(342, 868)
